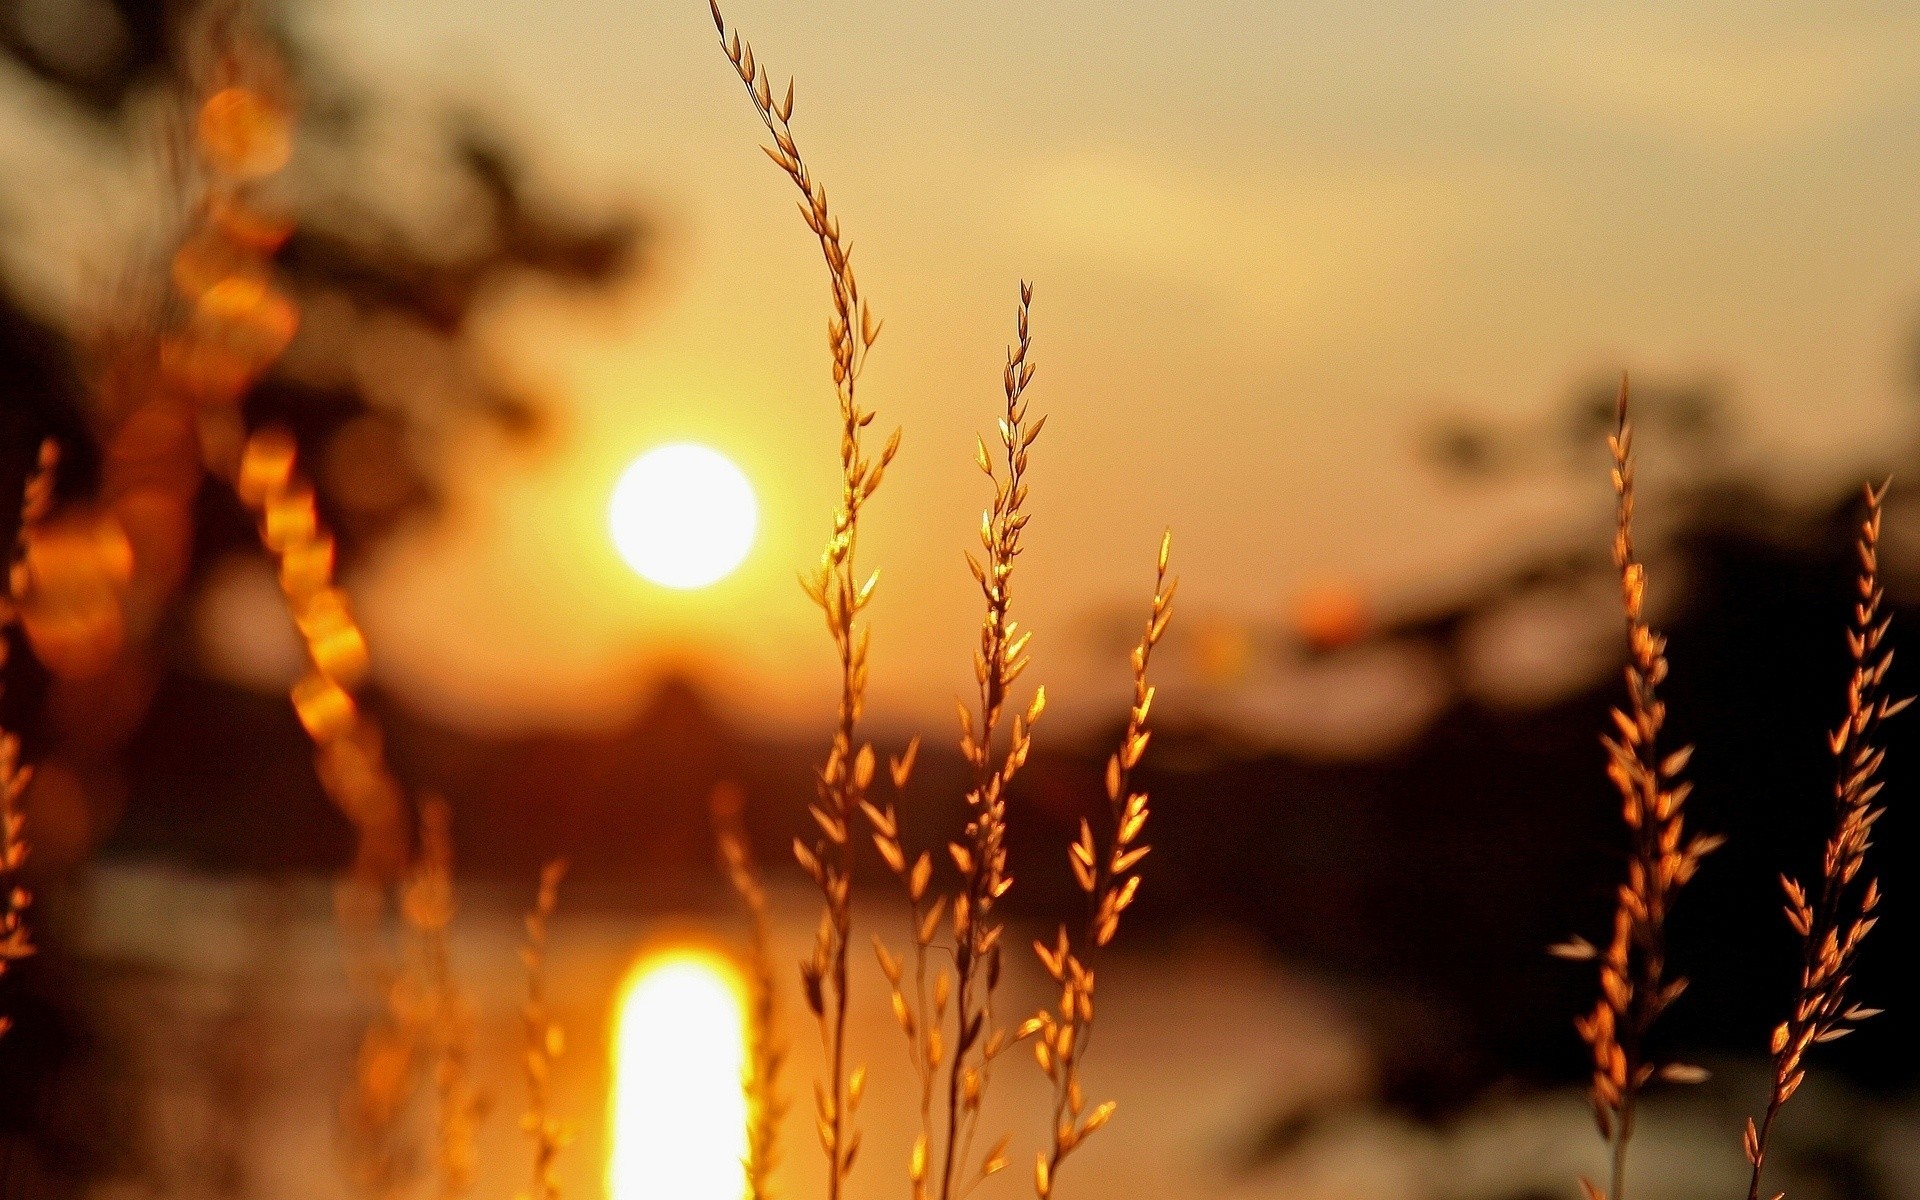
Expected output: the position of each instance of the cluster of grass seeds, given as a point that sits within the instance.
(921, 1010)
(228, 325)
(1635, 987)
(1107, 873)
(422, 1019)
(998, 662)
(16, 940)
(766, 1054)
(841, 593)
(1835, 919)
(946, 1014)
(226, 320)
(963, 1056)
(350, 759)
(1832, 920)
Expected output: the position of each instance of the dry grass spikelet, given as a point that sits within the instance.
(545, 1041)
(16, 940)
(1835, 919)
(998, 662)
(919, 1003)
(959, 1054)
(385, 1074)
(427, 905)
(1108, 874)
(766, 1053)
(1634, 983)
(71, 589)
(842, 594)
(965, 1057)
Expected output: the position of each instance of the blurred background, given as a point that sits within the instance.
(1340, 293)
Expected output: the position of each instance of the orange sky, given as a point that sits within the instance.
(1270, 240)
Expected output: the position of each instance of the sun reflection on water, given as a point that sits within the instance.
(679, 1116)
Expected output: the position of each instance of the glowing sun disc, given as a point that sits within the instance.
(683, 516)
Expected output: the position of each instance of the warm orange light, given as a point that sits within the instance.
(1330, 616)
(679, 1114)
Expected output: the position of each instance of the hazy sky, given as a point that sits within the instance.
(1271, 241)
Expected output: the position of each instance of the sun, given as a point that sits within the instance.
(683, 516)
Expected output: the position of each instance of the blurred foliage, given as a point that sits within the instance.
(395, 257)
(384, 368)
(1690, 416)
(98, 53)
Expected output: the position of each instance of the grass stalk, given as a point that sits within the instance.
(1634, 982)
(920, 1013)
(1108, 875)
(841, 593)
(545, 1040)
(1833, 921)
(766, 1054)
(16, 938)
(427, 905)
(998, 662)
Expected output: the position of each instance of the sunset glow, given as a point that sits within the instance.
(679, 1116)
(683, 516)
(442, 449)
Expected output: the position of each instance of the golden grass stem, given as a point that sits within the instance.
(841, 594)
(16, 939)
(921, 1016)
(545, 1040)
(427, 905)
(845, 778)
(998, 662)
(1635, 988)
(1833, 922)
(980, 857)
(1109, 877)
(766, 1053)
